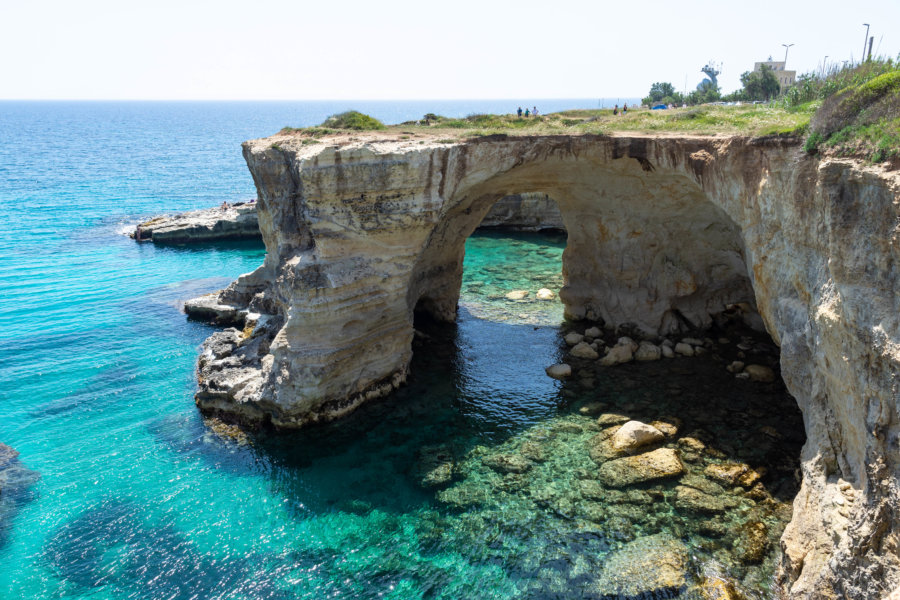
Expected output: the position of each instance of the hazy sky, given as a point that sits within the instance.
(344, 49)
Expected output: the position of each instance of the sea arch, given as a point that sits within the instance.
(359, 231)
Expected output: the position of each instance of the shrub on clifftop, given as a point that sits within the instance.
(353, 120)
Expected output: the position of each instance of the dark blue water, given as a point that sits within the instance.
(122, 489)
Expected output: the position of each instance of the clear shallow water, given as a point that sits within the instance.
(138, 498)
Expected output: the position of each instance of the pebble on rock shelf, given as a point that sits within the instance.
(545, 294)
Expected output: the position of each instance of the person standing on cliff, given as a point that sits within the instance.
(616, 110)
(535, 112)
(625, 108)
(519, 112)
(526, 113)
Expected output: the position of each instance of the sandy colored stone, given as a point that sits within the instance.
(593, 332)
(661, 463)
(684, 349)
(573, 338)
(726, 474)
(517, 295)
(583, 350)
(545, 294)
(617, 355)
(634, 434)
(760, 373)
(608, 419)
(560, 371)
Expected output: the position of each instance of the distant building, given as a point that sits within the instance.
(785, 78)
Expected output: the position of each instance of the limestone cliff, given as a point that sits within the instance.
(662, 231)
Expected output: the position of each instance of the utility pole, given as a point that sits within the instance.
(786, 48)
(825, 66)
(865, 41)
(871, 41)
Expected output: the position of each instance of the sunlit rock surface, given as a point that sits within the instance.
(234, 222)
(662, 233)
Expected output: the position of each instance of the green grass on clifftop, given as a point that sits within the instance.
(860, 119)
(748, 119)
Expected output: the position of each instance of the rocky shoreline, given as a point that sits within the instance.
(237, 221)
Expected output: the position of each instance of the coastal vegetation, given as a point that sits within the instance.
(849, 111)
(700, 120)
(353, 119)
(858, 111)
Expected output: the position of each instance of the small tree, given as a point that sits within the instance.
(760, 85)
(664, 92)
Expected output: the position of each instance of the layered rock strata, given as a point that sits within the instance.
(662, 233)
(524, 212)
(237, 221)
(518, 212)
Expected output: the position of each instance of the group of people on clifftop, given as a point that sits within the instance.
(527, 113)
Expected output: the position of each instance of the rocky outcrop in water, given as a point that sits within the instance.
(15, 481)
(662, 234)
(236, 222)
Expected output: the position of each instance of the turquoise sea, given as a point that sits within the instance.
(121, 490)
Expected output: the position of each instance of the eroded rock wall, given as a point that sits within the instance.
(524, 212)
(662, 232)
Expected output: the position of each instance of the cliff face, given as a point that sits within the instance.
(524, 212)
(662, 232)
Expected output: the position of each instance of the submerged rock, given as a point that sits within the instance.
(693, 500)
(752, 542)
(434, 468)
(517, 295)
(506, 463)
(545, 294)
(661, 463)
(607, 419)
(647, 567)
